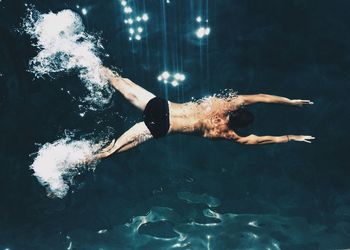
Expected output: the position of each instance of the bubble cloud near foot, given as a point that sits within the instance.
(64, 46)
(57, 163)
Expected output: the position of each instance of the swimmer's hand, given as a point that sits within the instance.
(301, 138)
(300, 103)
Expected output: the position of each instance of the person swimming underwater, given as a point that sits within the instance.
(213, 118)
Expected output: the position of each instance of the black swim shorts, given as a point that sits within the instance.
(156, 117)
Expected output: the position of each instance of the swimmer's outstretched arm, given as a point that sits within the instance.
(136, 135)
(251, 99)
(256, 140)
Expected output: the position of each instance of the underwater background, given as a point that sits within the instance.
(184, 192)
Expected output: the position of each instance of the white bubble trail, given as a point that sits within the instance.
(64, 46)
(57, 163)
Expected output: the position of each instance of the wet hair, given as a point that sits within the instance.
(240, 118)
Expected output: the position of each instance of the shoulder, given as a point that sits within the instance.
(239, 100)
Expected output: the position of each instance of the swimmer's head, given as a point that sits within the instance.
(240, 118)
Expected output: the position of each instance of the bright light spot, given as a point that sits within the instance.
(70, 246)
(253, 223)
(127, 9)
(201, 32)
(254, 235)
(130, 21)
(131, 31)
(145, 17)
(174, 79)
(199, 19)
(276, 245)
(84, 11)
(102, 231)
(138, 18)
(77, 6)
(138, 37)
(130, 38)
(167, 1)
(123, 3)
(139, 29)
(165, 75)
(179, 77)
(207, 31)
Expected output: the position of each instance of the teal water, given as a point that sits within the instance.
(185, 192)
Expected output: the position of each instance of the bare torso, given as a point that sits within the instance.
(205, 117)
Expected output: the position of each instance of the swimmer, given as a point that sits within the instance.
(213, 117)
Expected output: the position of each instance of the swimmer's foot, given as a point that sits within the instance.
(105, 151)
(108, 73)
(109, 147)
(300, 103)
(301, 138)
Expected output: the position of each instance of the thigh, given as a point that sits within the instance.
(139, 96)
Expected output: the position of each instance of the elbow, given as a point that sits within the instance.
(251, 142)
(248, 140)
(264, 98)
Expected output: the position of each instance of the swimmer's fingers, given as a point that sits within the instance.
(307, 102)
(299, 102)
(302, 138)
(308, 139)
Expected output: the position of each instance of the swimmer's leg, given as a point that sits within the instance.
(135, 94)
(136, 135)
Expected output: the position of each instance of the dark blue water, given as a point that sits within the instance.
(185, 192)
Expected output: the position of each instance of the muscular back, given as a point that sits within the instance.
(207, 117)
